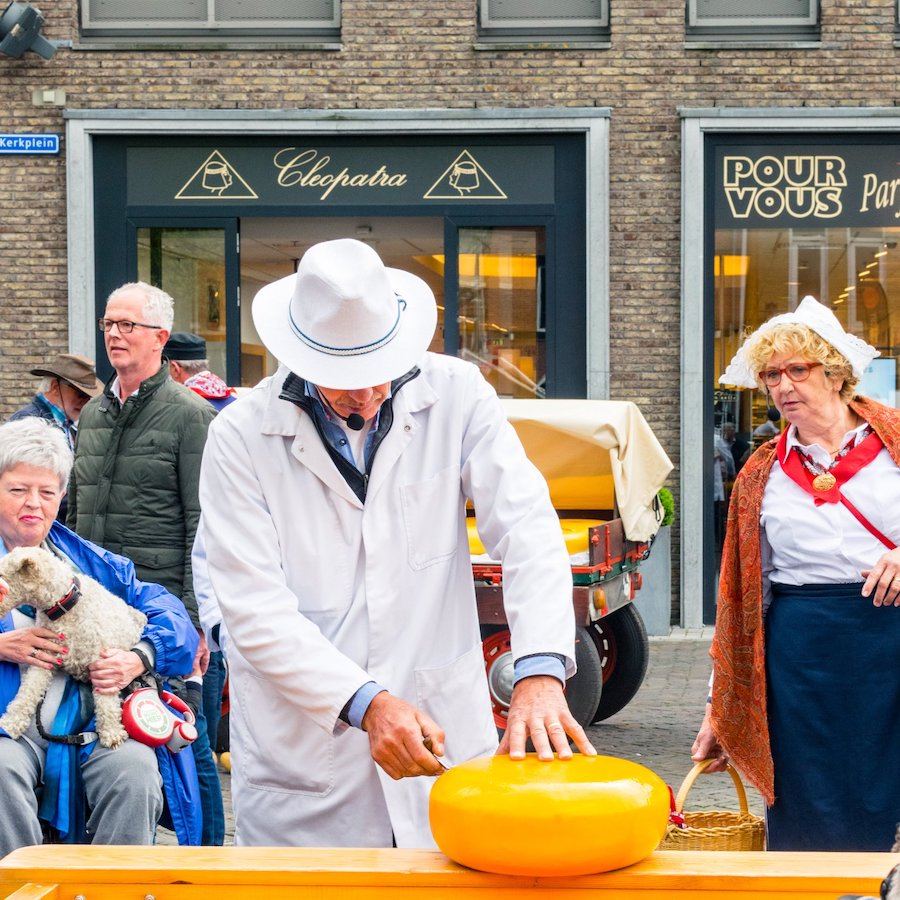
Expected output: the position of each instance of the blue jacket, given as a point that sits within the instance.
(174, 638)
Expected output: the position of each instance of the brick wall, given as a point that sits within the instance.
(396, 53)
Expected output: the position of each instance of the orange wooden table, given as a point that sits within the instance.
(249, 873)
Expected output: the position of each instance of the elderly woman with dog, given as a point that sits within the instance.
(84, 791)
(806, 688)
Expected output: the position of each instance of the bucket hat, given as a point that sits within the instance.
(817, 318)
(75, 370)
(345, 320)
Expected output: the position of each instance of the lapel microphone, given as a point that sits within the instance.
(355, 422)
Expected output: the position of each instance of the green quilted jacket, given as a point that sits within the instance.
(134, 483)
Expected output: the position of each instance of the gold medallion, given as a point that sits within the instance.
(824, 482)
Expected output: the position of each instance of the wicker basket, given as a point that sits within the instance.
(715, 830)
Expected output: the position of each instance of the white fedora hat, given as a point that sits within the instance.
(346, 320)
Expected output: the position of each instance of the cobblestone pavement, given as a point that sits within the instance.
(656, 729)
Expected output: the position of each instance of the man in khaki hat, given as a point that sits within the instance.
(69, 381)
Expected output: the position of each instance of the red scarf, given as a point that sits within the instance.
(826, 487)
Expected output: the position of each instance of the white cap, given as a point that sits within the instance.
(817, 318)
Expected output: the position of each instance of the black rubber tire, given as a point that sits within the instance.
(624, 650)
(584, 688)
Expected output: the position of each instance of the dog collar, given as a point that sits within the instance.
(63, 606)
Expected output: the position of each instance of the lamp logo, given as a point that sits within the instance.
(465, 178)
(794, 186)
(216, 179)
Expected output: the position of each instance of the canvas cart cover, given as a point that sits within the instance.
(594, 453)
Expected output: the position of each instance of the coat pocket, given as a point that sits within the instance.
(431, 518)
(282, 749)
(456, 697)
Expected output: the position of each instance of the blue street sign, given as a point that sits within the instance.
(29, 143)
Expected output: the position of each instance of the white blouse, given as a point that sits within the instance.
(807, 544)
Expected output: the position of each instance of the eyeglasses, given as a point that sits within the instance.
(795, 371)
(125, 326)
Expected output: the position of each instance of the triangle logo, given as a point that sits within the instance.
(465, 179)
(216, 179)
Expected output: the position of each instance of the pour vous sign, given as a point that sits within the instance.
(807, 186)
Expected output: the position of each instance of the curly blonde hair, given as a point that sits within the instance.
(799, 340)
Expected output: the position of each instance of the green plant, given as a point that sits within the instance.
(667, 502)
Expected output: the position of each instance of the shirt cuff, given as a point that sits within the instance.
(359, 702)
(540, 664)
(148, 654)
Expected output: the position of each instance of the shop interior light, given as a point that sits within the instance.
(486, 265)
(731, 266)
(20, 30)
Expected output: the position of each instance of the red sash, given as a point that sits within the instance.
(860, 456)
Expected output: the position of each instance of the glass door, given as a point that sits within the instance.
(520, 310)
(193, 266)
(501, 308)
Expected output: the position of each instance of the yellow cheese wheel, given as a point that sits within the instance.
(554, 817)
(575, 533)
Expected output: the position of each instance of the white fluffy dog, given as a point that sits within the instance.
(96, 621)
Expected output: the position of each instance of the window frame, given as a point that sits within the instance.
(753, 28)
(233, 29)
(591, 28)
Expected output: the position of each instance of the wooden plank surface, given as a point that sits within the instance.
(233, 872)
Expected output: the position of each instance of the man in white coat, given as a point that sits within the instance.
(334, 531)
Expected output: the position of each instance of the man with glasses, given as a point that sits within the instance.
(133, 488)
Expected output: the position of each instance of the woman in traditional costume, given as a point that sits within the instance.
(806, 656)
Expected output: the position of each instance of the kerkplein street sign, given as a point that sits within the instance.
(29, 143)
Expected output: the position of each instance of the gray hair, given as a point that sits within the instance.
(33, 441)
(193, 366)
(158, 307)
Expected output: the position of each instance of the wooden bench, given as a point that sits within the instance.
(65, 872)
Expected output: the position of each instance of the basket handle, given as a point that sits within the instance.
(692, 776)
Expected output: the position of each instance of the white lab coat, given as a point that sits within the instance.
(320, 593)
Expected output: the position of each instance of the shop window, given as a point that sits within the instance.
(541, 20)
(231, 19)
(794, 219)
(761, 272)
(752, 20)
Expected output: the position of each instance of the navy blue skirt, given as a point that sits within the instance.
(833, 672)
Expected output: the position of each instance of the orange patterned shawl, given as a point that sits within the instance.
(739, 717)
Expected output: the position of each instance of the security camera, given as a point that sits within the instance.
(20, 30)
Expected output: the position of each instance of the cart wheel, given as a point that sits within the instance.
(621, 641)
(582, 690)
(498, 666)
